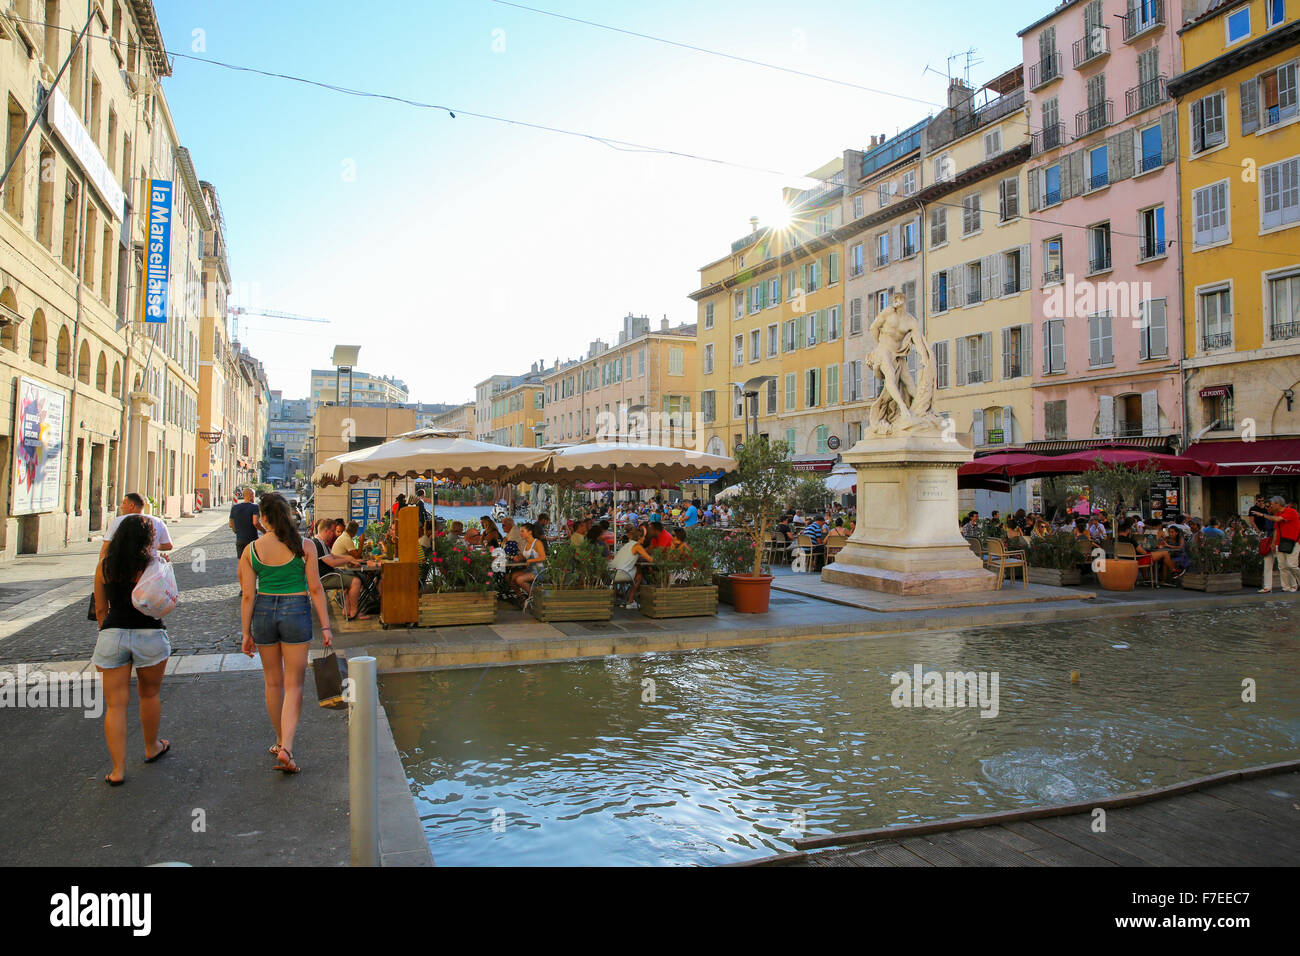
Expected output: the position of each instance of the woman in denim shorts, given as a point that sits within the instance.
(276, 576)
(129, 638)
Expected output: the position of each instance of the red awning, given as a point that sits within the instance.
(1265, 458)
(814, 463)
(1022, 465)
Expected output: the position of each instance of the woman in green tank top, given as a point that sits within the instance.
(276, 576)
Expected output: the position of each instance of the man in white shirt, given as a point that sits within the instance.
(133, 504)
(512, 530)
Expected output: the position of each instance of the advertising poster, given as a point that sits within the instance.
(38, 448)
(157, 263)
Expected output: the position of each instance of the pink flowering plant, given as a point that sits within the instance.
(451, 565)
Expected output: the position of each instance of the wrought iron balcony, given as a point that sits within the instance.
(1051, 197)
(1053, 275)
(1095, 117)
(1144, 96)
(1149, 161)
(882, 260)
(974, 296)
(1285, 330)
(1004, 105)
(1150, 248)
(1099, 262)
(1216, 340)
(1142, 16)
(1049, 137)
(1045, 70)
(1092, 48)
(1097, 180)
(1128, 430)
(1011, 286)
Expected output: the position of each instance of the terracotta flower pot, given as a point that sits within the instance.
(1118, 575)
(751, 592)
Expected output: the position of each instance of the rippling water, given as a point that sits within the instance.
(740, 752)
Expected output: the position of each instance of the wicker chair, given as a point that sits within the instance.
(1125, 551)
(1003, 562)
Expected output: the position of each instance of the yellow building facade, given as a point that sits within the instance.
(1239, 150)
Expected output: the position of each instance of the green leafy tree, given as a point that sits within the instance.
(767, 479)
(811, 494)
(1119, 486)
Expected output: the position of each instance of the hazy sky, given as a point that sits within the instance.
(452, 249)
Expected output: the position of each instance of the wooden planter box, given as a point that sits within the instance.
(457, 607)
(1055, 576)
(1252, 579)
(595, 604)
(678, 601)
(723, 584)
(1212, 583)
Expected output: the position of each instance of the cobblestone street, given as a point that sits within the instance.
(206, 621)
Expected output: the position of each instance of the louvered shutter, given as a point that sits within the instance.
(1106, 416)
(1126, 164)
(1026, 348)
(1150, 413)
(1114, 162)
(1198, 131)
(986, 356)
(994, 270)
(1158, 328)
(1168, 138)
(873, 307)
(934, 293)
(1047, 349)
(909, 293)
(1249, 106)
(1033, 176)
(821, 326)
(977, 426)
(1026, 270)
(1108, 339)
(800, 331)
(956, 279)
(1002, 200)
(1008, 425)
(962, 349)
(1006, 353)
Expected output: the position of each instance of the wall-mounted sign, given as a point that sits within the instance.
(157, 260)
(996, 436)
(833, 442)
(1216, 391)
(65, 122)
(38, 448)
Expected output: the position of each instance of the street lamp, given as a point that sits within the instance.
(750, 390)
(344, 359)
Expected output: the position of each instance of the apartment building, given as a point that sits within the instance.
(356, 388)
(646, 386)
(1239, 143)
(1102, 191)
(771, 330)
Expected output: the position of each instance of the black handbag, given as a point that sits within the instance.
(90, 611)
(1286, 545)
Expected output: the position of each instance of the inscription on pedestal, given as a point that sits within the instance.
(932, 489)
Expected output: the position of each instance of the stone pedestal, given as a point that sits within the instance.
(907, 539)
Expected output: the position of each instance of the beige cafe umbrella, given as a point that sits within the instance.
(615, 462)
(430, 453)
(730, 492)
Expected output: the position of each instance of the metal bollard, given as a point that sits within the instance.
(363, 760)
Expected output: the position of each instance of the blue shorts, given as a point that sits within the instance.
(281, 619)
(120, 646)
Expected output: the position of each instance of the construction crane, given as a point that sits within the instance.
(235, 311)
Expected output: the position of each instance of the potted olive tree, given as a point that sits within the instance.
(767, 478)
(732, 553)
(1113, 488)
(573, 587)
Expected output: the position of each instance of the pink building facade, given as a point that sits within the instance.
(1103, 200)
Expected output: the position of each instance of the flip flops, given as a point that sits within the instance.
(160, 754)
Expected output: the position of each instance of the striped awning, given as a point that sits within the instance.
(1146, 442)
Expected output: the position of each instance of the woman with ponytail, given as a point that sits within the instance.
(276, 576)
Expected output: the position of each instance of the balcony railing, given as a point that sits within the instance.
(1149, 161)
(1099, 262)
(974, 296)
(1045, 70)
(1004, 105)
(1150, 249)
(1092, 47)
(1051, 197)
(1053, 275)
(882, 261)
(1095, 117)
(1011, 286)
(1144, 96)
(1097, 180)
(1285, 330)
(1143, 15)
(1216, 340)
(1049, 137)
(1128, 430)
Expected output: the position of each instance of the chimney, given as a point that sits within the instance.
(663, 326)
(753, 224)
(960, 96)
(873, 141)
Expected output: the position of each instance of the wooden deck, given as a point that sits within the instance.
(1241, 818)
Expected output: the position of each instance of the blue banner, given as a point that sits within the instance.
(157, 262)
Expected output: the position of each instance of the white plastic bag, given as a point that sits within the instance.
(155, 594)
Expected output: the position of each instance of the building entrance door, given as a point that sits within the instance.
(96, 487)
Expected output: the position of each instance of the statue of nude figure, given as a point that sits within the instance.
(904, 404)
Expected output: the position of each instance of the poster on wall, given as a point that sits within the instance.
(38, 448)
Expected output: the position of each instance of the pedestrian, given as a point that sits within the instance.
(280, 584)
(1261, 516)
(127, 638)
(1285, 550)
(133, 504)
(245, 521)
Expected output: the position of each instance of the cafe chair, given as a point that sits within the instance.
(1004, 562)
(813, 558)
(1124, 551)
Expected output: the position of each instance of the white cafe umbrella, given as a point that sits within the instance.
(842, 479)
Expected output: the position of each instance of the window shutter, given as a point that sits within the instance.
(1047, 349)
(934, 293)
(1106, 417)
(956, 279)
(821, 326)
(1107, 339)
(986, 356)
(873, 307)
(1168, 138)
(1127, 168)
(1008, 429)
(909, 293)
(1159, 330)
(1033, 177)
(1002, 200)
(1094, 340)
(1249, 106)
(1013, 197)
(1198, 132)
(1026, 348)
(994, 271)
(963, 352)
(1026, 270)
(1006, 353)
(1150, 413)
(1114, 162)
(977, 426)
(800, 331)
